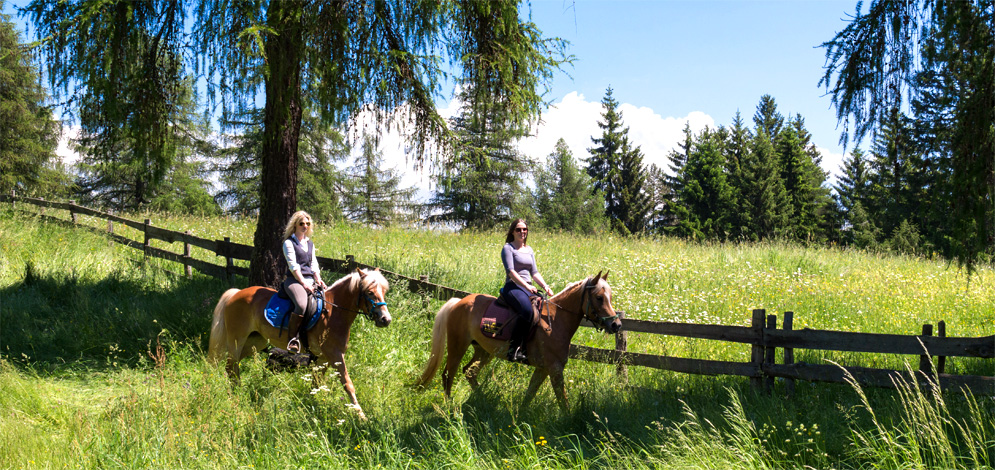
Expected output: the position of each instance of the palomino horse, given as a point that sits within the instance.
(240, 328)
(457, 326)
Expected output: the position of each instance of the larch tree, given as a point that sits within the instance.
(935, 58)
(374, 55)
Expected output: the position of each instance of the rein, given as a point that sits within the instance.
(599, 322)
(367, 314)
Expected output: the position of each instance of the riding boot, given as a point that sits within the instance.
(516, 347)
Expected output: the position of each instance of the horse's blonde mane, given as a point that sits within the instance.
(353, 280)
(575, 284)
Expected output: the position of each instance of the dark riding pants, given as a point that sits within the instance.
(519, 300)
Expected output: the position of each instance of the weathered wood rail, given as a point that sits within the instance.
(762, 335)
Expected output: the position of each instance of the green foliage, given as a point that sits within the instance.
(617, 170)
(319, 182)
(706, 192)
(565, 198)
(481, 186)
(373, 195)
(938, 58)
(66, 401)
(29, 133)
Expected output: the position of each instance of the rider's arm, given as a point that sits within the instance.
(316, 269)
(542, 282)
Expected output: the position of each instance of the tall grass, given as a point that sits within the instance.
(102, 363)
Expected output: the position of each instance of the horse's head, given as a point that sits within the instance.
(596, 304)
(373, 288)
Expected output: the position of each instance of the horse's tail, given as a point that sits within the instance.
(438, 342)
(217, 346)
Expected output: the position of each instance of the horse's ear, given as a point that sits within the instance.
(605, 277)
(377, 269)
(362, 273)
(598, 276)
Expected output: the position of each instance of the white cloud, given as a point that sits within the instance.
(576, 120)
(64, 151)
(833, 163)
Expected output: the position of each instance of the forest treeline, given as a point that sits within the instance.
(923, 185)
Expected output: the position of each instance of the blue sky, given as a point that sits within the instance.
(671, 62)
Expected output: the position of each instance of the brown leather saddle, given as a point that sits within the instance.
(499, 319)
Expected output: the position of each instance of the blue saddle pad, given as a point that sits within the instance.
(278, 310)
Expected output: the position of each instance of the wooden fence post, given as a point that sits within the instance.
(769, 354)
(186, 256)
(757, 352)
(350, 262)
(13, 199)
(42, 207)
(925, 365)
(72, 213)
(622, 345)
(941, 331)
(789, 354)
(145, 246)
(229, 264)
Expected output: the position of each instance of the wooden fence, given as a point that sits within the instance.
(763, 336)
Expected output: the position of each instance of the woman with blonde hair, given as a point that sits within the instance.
(303, 273)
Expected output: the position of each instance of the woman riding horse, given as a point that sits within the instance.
(240, 326)
(457, 326)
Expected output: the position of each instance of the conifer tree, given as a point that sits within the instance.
(565, 197)
(737, 150)
(763, 196)
(803, 179)
(767, 119)
(617, 170)
(373, 194)
(707, 194)
(853, 184)
(28, 131)
(939, 57)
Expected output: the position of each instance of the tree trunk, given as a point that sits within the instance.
(281, 134)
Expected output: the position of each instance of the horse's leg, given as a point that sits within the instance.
(457, 345)
(556, 380)
(537, 378)
(337, 358)
(479, 360)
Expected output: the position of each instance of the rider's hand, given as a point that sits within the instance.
(549, 293)
(533, 289)
(308, 289)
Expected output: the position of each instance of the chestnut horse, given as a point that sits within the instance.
(240, 328)
(457, 326)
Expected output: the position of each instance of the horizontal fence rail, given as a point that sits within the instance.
(762, 335)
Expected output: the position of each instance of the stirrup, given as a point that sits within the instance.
(294, 345)
(518, 355)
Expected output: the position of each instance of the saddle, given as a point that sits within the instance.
(279, 308)
(499, 319)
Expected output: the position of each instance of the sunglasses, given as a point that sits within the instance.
(304, 224)
(522, 230)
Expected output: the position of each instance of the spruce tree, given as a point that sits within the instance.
(617, 170)
(28, 131)
(737, 150)
(374, 195)
(763, 196)
(707, 194)
(853, 184)
(565, 197)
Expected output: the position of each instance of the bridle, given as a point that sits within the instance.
(587, 309)
(374, 312)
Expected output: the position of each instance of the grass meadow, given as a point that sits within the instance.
(102, 361)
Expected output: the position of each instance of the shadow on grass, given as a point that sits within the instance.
(58, 321)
